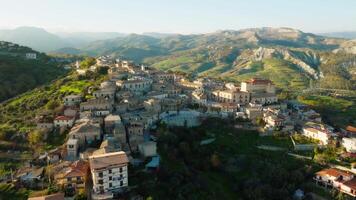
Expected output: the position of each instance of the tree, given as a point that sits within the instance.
(35, 137)
(215, 160)
(102, 70)
(87, 62)
(337, 195)
(260, 122)
(52, 104)
(6, 132)
(80, 196)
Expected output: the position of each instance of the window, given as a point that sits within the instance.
(120, 169)
(110, 184)
(101, 188)
(110, 171)
(69, 179)
(100, 181)
(121, 183)
(100, 174)
(110, 178)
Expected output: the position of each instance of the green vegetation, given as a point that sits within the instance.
(276, 140)
(231, 167)
(75, 87)
(336, 111)
(87, 62)
(18, 74)
(284, 74)
(327, 155)
(5, 168)
(301, 139)
(8, 191)
(338, 71)
(17, 116)
(232, 55)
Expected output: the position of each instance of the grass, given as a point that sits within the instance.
(283, 74)
(253, 68)
(277, 141)
(174, 62)
(76, 87)
(326, 102)
(300, 139)
(8, 191)
(336, 111)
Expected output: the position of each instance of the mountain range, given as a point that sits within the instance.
(345, 34)
(41, 40)
(289, 57)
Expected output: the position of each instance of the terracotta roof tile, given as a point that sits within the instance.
(63, 118)
(334, 172)
(351, 183)
(351, 129)
(107, 160)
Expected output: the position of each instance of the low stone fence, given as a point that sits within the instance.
(302, 147)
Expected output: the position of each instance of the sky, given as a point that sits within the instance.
(178, 16)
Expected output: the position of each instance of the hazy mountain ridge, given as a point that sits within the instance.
(230, 54)
(44, 41)
(289, 57)
(344, 34)
(36, 38)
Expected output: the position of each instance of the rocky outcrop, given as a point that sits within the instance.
(307, 61)
(347, 47)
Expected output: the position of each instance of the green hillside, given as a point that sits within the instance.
(284, 74)
(289, 57)
(18, 74)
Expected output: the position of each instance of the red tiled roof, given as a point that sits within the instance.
(61, 117)
(351, 183)
(108, 160)
(259, 81)
(351, 129)
(333, 172)
(80, 165)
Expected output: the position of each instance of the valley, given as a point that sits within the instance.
(200, 116)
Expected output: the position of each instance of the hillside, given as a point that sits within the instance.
(18, 74)
(289, 57)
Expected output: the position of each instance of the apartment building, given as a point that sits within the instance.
(109, 172)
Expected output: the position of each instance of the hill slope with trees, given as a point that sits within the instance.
(237, 55)
(18, 74)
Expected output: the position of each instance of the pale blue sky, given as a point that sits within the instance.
(182, 16)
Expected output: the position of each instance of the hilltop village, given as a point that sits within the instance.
(114, 128)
